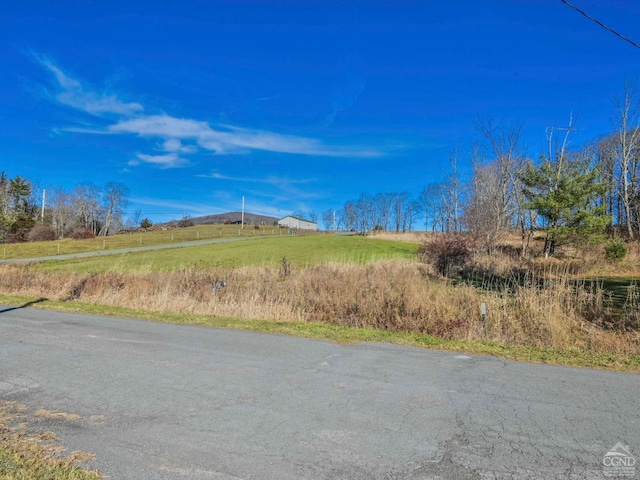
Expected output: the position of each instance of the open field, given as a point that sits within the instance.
(136, 239)
(299, 251)
(354, 283)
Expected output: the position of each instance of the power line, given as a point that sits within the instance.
(601, 24)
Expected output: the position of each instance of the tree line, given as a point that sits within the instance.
(86, 210)
(569, 194)
(382, 211)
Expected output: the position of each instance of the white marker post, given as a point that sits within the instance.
(483, 312)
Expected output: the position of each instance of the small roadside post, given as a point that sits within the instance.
(483, 312)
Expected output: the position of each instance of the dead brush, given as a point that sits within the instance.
(195, 281)
(20, 279)
(75, 292)
(25, 454)
(631, 308)
(388, 295)
(409, 237)
(538, 309)
(543, 316)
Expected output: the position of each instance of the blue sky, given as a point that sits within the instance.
(293, 105)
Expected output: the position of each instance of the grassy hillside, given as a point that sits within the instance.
(157, 236)
(298, 250)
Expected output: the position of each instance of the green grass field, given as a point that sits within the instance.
(299, 251)
(135, 239)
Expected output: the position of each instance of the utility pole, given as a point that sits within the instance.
(44, 192)
(242, 212)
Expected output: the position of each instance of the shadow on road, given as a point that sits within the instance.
(28, 304)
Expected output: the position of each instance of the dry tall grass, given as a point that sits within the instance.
(397, 295)
(410, 237)
(25, 454)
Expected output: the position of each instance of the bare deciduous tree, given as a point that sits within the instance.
(61, 210)
(399, 209)
(452, 196)
(482, 212)
(412, 209)
(605, 151)
(329, 220)
(431, 201)
(507, 160)
(115, 200)
(628, 143)
(86, 206)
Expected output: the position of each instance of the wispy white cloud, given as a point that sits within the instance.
(229, 139)
(73, 94)
(175, 145)
(169, 160)
(266, 209)
(280, 188)
(345, 100)
(273, 180)
(219, 176)
(172, 209)
(181, 136)
(177, 208)
(88, 130)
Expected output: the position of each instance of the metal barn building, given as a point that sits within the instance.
(297, 223)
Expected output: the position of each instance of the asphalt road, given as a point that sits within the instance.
(158, 401)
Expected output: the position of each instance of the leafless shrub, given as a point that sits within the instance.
(186, 222)
(510, 251)
(285, 267)
(81, 234)
(17, 237)
(447, 252)
(41, 233)
(77, 288)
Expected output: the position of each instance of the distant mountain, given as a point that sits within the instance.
(231, 217)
